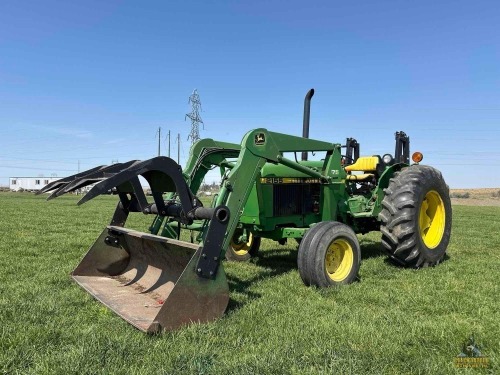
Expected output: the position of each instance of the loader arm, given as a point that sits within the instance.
(204, 155)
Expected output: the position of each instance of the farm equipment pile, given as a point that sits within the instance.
(157, 282)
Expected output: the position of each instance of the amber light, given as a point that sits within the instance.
(417, 157)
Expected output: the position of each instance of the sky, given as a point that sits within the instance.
(86, 83)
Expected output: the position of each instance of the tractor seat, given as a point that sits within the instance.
(362, 164)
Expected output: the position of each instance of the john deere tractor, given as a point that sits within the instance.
(157, 282)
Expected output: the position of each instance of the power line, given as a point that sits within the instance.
(37, 169)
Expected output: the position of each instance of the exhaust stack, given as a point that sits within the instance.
(307, 115)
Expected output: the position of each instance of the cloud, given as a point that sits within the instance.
(115, 141)
(72, 132)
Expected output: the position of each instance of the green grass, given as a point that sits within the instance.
(394, 321)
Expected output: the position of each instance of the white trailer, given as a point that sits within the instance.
(29, 183)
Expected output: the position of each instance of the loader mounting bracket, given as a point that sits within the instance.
(209, 260)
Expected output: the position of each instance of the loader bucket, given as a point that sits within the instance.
(151, 281)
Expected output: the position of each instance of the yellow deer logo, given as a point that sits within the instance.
(260, 139)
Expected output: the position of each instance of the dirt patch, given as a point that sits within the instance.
(476, 197)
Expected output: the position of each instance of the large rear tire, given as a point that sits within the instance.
(241, 251)
(329, 255)
(416, 217)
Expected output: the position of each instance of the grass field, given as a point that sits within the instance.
(394, 321)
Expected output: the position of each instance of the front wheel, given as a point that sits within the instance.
(329, 255)
(242, 249)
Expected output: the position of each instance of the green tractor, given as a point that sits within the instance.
(157, 282)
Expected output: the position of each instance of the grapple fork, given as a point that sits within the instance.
(153, 282)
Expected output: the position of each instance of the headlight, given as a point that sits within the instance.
(387, 159)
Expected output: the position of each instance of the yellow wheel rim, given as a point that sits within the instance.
(241, 248)
(432, 219)
(339, 260)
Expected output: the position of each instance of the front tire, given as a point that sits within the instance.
(241, 251)
(416, 217)
(329, 255)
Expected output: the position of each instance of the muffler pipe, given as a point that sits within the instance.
(307, 115)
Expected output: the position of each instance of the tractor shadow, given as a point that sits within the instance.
(270, 263)
(274, 262)
(371, 249)
(374, 249)
(278, 261)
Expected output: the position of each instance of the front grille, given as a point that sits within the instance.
(294, 199)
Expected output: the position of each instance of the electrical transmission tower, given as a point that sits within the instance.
(195, 117)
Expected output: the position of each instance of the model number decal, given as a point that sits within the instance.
(289, 180)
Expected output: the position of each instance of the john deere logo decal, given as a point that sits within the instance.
(471, 356)
(260, 139)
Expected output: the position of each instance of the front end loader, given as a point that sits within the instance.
(157, 282)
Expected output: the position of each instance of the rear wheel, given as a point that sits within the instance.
(329, 255)
(416, 217)
(242, 249)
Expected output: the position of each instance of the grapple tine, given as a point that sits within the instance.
(62, 189)
(54, 193)
(54, 185)
(118, 179)
(66, 180)
(97, 176)
(162, 173)
(78, 184)
(92, 177)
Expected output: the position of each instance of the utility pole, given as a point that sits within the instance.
(159, 140)
(169, 143)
